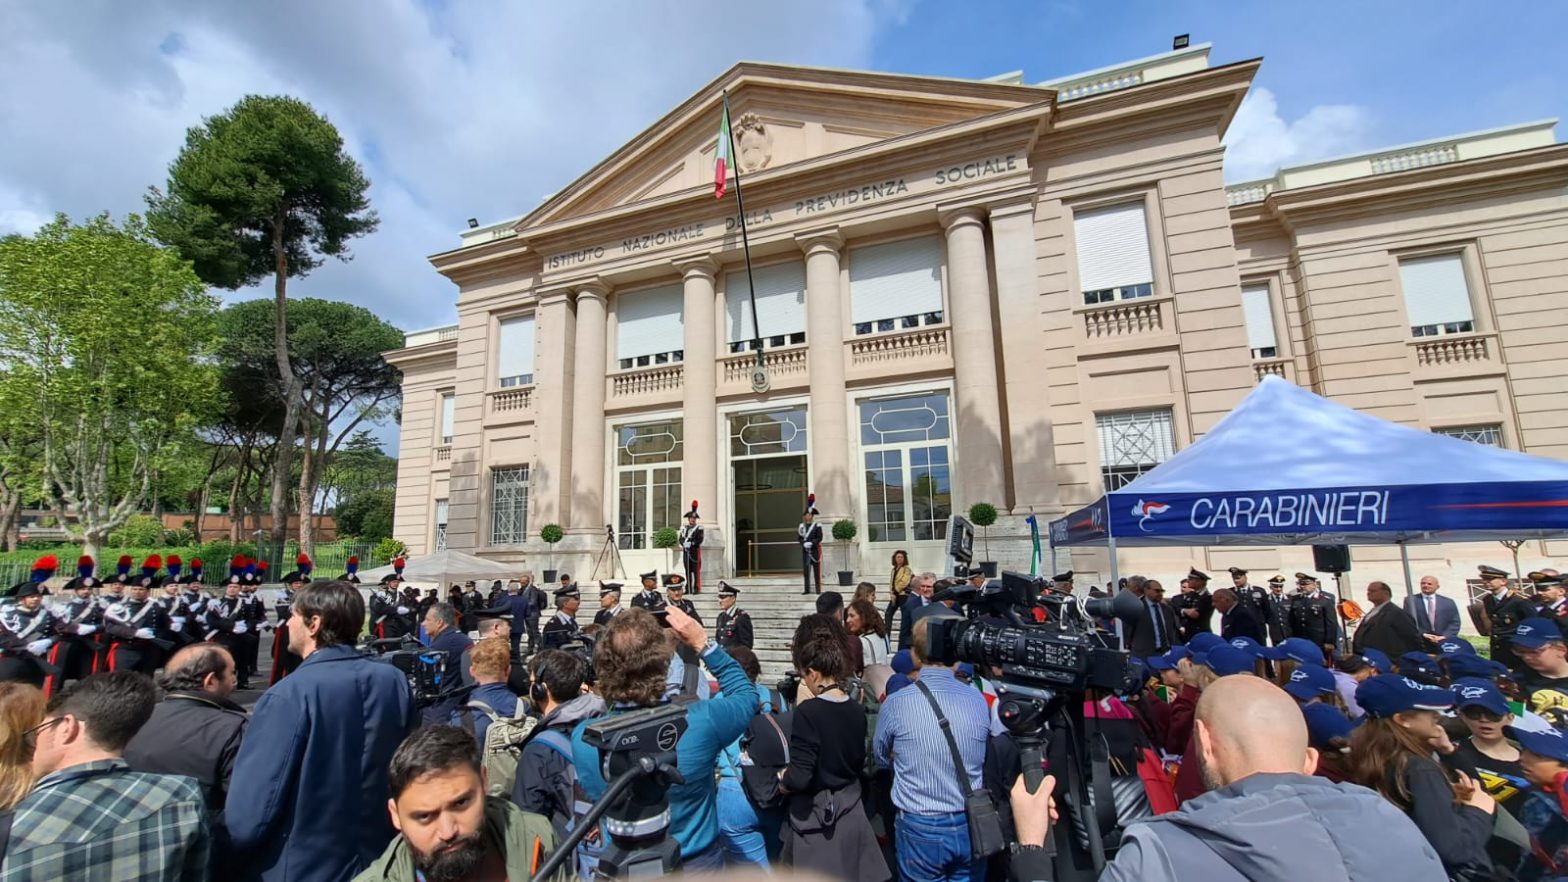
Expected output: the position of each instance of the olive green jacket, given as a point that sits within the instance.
(515, 830)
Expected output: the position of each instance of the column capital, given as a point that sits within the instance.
(954, 218)
(593, 289)
(818, 241)
(702, 265)
(1014, 206)
(555, 296)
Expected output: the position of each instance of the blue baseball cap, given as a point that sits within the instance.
(1535, 633)
(1550, 743)
(1388, 694)
(1203, 641)
(1249, 646)
(1476, 692)
(1225, 660)
(1325, 722)
(1310, 681)
(1378, 659)
(903, 662)
(1178, 653)
(1159, 663)
(1418, 664)
(1451, 646)
(1460, 666)
(1298, 649)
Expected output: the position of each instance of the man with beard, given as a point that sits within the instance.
(448, 829)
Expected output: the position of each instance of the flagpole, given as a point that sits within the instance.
(745, 241)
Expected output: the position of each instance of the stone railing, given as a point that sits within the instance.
(1439, 352)
(432, 335)
(1249, 192)
(663, 378)
(780, 363)
(1123, 319)
(511, 400)
(1273, 367)
(444, 453)
(1083, 89)
(924, 343)
(1421, 157)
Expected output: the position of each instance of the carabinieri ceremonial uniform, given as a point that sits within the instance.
(734, 624)
(809, 535)
(562, 628)
(691, 535)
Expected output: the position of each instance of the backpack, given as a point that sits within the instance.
(862, 693)
(503, 745)
(593, 845)
(761, 784)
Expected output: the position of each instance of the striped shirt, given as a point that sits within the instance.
(910, 742)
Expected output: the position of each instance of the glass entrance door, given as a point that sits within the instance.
(770, 494)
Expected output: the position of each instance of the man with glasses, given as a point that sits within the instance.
(91, 817)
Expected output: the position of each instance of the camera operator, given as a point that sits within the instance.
(546, 778)
(1252, 748)
(631, 661)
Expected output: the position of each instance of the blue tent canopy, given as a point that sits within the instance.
(1288, 467)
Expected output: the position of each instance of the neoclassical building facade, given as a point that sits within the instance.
(962, 291)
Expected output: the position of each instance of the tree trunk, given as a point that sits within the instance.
(307, 495)
(283, 457)
(10, 515)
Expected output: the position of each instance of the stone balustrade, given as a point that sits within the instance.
(511, 400)
(1272, 367)
(1249, 192)
(1440, 352)
(883, 348)
(444, 453)
(781, 364)
(1421, 157)
(646, 381)
(1123, 319)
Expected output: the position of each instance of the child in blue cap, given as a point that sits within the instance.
(1543, 755)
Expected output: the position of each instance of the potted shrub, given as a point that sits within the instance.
(551, 534)
(983, 515)
(667, 538)
(844, 531)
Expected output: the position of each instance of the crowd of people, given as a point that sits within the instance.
(1257, 739)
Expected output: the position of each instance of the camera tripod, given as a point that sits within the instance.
(610, 551)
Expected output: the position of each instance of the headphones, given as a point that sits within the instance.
(538, 692)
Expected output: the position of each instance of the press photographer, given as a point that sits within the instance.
(631, 661)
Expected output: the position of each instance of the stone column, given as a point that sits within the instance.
(829, 433)
(699, 385)
(549, 496)
(1031, 447)
(587, 477)
(978, 416)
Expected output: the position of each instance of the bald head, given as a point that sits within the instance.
(200, 667)
(1246, 725)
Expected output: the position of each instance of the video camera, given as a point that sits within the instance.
(425, 669)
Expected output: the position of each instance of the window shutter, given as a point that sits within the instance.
(516, 343)
(895, 279)
(441, 510)
(649, 322)
(1113, 247)
(781, 301)
(1138, 438)
(1435, 290)
(1260, 317)
(448, 411)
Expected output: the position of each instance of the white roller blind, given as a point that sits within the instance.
(516, 343)
(1435, 290)
(895, 279)
(781, 301)
(441, 510)
(649, 322)
(1113, 247)
(1260, 317)
(448, 411)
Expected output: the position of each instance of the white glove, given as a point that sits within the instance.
(805, 545)
(402, 610)
(84, 630)
(145, 633)
(241, 627)
(686, 545)
(177, 623)
(39, 647)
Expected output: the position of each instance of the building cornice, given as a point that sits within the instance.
(426, 356)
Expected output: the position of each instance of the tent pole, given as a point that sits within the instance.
(1121, 629)
(1404, 558)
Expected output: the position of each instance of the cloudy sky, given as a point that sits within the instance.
(464, 109)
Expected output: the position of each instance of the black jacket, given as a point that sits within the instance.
(1242, 620)
(1203, 602)
(194, 734)
(1389, 630)
(1313, 617)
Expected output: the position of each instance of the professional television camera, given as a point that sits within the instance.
(425, 669)
(637, 760)
(1047, 668)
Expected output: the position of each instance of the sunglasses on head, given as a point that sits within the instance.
(1480, 715)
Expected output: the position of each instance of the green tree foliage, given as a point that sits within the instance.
(358, 467)
(139, 531)
(265, 189)
(368, 515)
(108, 338)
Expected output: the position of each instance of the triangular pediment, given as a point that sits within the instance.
(780, 116)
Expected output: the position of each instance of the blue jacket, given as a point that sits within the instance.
(496, 696)
(310, 781)
(711, 726)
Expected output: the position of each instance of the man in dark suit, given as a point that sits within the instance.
(1435, 616)
(1384, 627)
(1237, 618)
(920, 592)
(1152, 634)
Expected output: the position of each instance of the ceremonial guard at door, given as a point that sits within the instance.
(1313, 614)
(691, 536)
(76, 652)
(609, 603)
(734, 625)
(133, 626)
(562, 629)
(675, 591)
(648, 598)
(29, 630)
(809, 534)
(1505, 609)
(284, 661)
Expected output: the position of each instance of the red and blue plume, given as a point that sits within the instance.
(123, 565)
(196, 567)
(250, 566)
(84, 566)
(44, 567)
(152, 565)
(398, 563)
(237, 565)
(261, 566)
(172, 563)
(303, 564)
(353, 564)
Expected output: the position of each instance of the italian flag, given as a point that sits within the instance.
(721, 153)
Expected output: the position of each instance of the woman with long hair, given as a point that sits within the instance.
(21, 708)
(865, 623)
(1392, 752)
(902, 577)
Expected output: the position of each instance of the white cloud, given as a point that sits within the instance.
(1260, 140)
(457, 109)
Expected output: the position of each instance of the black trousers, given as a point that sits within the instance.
(810, 568)
(532, 623)
(135, 655)
(692, 559)
(74, 656)
(15, 668)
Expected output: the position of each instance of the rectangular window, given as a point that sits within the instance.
(895, 286)
(509, 506)
(1113, 253)
(441, 512)
(1491, 436)
(768, 433)
(1259, 312)
(647, 481)
(448, 411)
(908, 466)
(1133, 443)
(649, 327)
(515, 352)
(781, 306)
(1437, 296)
